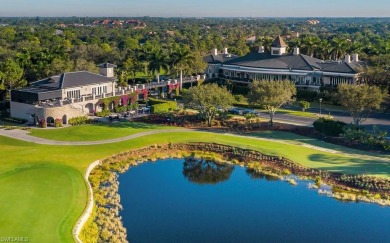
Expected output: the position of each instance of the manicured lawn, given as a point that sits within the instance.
(316, 104)
(298, 140)
(41, 202)
(94, 132)
(297, 113)
(43, 192)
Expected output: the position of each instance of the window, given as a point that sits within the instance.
(99, 90)
(73, 94)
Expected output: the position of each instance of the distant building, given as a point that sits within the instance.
(251, 40)
(303, 70)
(119, 23)
(58, 32)
(313, 21)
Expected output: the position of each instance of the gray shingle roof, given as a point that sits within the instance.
(266, 60)
(72, 79)
(220, 58)
(294, 62)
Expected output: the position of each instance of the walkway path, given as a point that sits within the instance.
(25, 136)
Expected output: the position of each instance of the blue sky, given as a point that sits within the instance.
(197, 8)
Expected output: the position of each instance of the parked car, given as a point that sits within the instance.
(236, 111)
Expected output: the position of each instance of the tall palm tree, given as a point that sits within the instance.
(158, 61)
(181, 58)
(325, 49)
(340, 46)
(310, 44)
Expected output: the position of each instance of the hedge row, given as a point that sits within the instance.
(79, 120)
(164, 107)
(153, 101)
(329, 127)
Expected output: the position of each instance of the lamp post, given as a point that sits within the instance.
(320, 106)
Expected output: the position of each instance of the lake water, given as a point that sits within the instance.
(169, 201)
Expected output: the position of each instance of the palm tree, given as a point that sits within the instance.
(181, 58)
(310, 44)
(340, 46)
(122, 75)
(158, 61)
(325, 50)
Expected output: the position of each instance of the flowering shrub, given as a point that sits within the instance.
(58, 122)
(42, 123)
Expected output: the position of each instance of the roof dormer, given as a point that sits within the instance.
(278, 47)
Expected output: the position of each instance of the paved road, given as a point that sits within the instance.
(25, 136)
(381, 120)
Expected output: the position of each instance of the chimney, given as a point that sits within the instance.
(347, 58)
(225, 51)
(296, 51)
(215, 52)
(261, 49)
(355, 57)
(107, 69)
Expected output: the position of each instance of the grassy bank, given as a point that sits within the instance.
(43, 192)
(94, 132)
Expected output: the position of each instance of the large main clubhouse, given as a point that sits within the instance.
(278, 64)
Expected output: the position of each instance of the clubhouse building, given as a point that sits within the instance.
(67, 95)
(305, 71)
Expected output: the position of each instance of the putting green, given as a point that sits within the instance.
(41, 202)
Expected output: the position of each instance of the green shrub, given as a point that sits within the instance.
(79, 120)
(120, 109)
(373, 138)
(250, 116)
(352, 134)
(224, 115)
(164, 107)
(132, 106)
(153, 101)
(103, 113)
(239, 98)
(304, 105)
(329, 127)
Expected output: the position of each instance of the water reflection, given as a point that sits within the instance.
(202, 171)
(253, 174)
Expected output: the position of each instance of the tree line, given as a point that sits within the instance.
(31, 49)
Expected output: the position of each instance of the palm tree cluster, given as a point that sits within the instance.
(327, 49)
(154, 60)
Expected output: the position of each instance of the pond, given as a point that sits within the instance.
(175, 200)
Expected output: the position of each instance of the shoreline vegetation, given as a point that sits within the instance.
(105, 222)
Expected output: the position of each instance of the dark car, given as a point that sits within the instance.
(236, 111)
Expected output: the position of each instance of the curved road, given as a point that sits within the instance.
(25, 136)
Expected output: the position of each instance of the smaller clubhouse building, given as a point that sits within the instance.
(305, 71)
(67, 95)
